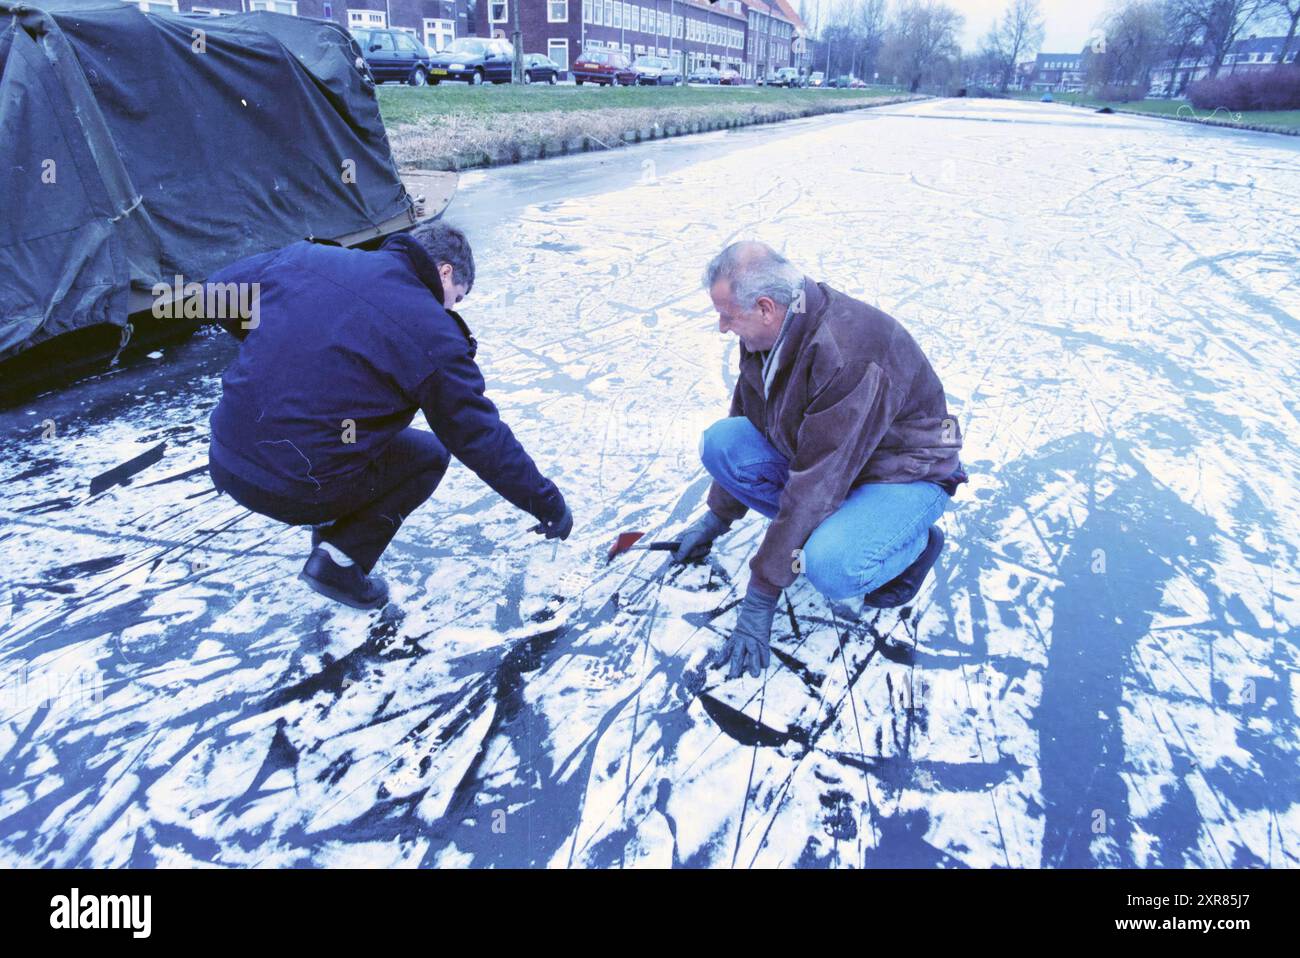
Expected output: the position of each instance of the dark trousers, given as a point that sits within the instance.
(366, 514)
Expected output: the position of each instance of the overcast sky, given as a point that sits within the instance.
(1069, 22)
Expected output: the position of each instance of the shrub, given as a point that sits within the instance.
(1273, 89)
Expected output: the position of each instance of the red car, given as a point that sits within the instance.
(729, 77)
(604, 67)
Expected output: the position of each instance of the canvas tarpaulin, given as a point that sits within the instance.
(134, 153)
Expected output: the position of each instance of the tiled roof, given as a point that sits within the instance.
(1257, 45)
(790, 14)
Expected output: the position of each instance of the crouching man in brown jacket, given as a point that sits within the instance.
(839, 433)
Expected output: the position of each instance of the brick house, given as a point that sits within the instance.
(434, 22)
(691, 33)
(1058, 73)
(774, 33)
(749, 36)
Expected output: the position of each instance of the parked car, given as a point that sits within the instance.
(729, 77)
(841, 82)
(817, 78)
(394, 55)
(475, 60)
(786, 76)
(539, 68)
(862, 84)
(604, 67)
(656, 71)
(705, 75)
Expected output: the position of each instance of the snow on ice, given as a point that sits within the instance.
(1103, 671)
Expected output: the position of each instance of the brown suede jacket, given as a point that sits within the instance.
(853, 400)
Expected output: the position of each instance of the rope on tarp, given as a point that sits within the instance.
(127, 330)
(128, 211)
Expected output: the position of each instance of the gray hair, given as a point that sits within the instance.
(447, 244)
(755, 269)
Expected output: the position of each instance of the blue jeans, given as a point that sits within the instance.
(878, 531)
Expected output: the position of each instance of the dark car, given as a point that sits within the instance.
(841, 82)
(656, 71)
(539, 68)
(394, 55)
(705, 75)
(605, 67)
(729, 77)
(475, 60)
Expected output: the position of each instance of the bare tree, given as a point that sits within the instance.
(1219, 22)
(1183, 34)
(1135, 39)
(1289, 11)
(1019, 32)
(922, 41)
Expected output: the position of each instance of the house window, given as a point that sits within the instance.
(439, 33)
(558, 50)
(158, 6)
(367, 18)
(586, 11)
(618, 14)
(609, 13)
(498, 11)
(557, 11)
(275, 6)
(209, 11)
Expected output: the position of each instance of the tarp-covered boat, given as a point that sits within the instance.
(142, 147)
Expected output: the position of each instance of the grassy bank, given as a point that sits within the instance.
(453, 126)
(1282, 119)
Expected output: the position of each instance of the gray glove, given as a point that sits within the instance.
(697, 538)
(748, 646)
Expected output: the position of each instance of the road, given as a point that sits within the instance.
(1103, 671)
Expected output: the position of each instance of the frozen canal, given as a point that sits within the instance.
(1104, 671)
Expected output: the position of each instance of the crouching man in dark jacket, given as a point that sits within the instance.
(313, 426)
(839, 433)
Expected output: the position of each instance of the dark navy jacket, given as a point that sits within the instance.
(345, 334)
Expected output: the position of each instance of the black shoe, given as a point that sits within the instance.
(903, 588)
(343, 583)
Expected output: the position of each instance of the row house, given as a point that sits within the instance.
(1252, 53)
(774, 34)
(1058, 73)
(434, 22)
(753, 37)
(690, 33)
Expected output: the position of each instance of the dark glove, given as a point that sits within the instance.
(697, 538)
(556, 528)
(748, 646)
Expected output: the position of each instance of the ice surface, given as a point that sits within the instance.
(1102, 672)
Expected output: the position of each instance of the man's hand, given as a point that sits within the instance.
(697, 538)
(747, 649)
(557, 528)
